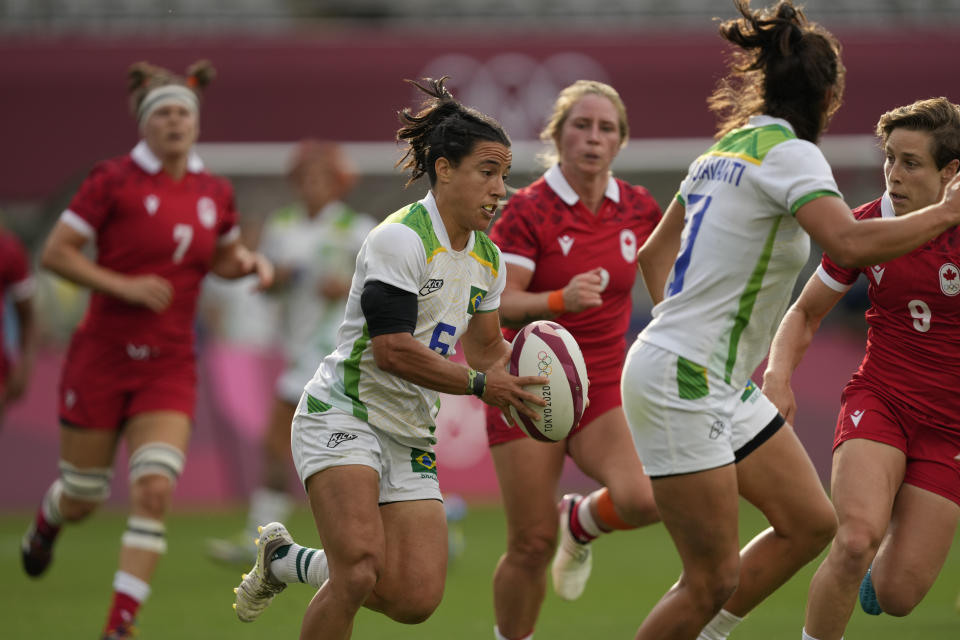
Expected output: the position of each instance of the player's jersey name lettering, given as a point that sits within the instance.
(718, 168)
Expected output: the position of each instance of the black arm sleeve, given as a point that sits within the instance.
(388, 309)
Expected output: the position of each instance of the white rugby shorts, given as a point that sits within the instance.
(322, 437)
(682, 419)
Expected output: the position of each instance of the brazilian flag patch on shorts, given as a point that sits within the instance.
(423, 461)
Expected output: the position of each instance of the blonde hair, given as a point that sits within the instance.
(564, 103)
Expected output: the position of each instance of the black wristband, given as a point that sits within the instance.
(476, 382)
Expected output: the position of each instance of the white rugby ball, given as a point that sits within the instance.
(545, 348)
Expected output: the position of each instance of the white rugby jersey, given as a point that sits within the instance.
(741, 248)
(409, 250)
(313, 248)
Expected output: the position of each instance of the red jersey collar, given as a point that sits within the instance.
(556, 180)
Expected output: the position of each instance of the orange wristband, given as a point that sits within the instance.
(555, 302)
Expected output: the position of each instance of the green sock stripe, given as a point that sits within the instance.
(300, 555)
(307, 560)
(280, 552)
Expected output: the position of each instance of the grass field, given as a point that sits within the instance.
(192, 596)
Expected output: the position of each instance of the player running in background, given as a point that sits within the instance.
(363, 434)
(160, 223)
(569, 241)
(896, 476)
(721, 266)
(17, 282)
(313, 245)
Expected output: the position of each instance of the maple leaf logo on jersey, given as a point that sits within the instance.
(151, 203)
(566, 243)
(950, 279)
(628, 245)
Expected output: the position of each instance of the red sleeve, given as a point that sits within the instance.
(514, 231)
(94, 200)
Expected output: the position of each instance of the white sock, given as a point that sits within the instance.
(720, 627)
(585, 516)
(51, 504)
(300, 564)
(131, 585)
(807, 636)
(499, 636)
(267, 505)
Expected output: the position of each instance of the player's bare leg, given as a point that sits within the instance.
(700, 510)
(865, 479)
(914, 549)
(86, 461)
(157, 441)
(779, 479)
(520, 579)
(354, 529)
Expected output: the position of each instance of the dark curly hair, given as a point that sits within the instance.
(785, 67)
(443, 128)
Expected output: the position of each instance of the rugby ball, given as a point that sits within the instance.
(545, 348)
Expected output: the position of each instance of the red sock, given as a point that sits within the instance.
(44, 528)
(123, 611)
(576, 528)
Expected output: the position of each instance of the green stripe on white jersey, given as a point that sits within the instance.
(741, 248)
(409, 250)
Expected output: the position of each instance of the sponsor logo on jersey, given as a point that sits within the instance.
(877, 272)
(138, 352)
(340, 437)
(476, 298)
(566, 243)
(950, 279)
(151, 203)
(717, 429)
(628, 245)
(856, 416)
(423, 462)
(433, 284)
(207, 212)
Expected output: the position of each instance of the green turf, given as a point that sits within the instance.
(192, 596)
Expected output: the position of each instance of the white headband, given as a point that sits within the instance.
(166, 94)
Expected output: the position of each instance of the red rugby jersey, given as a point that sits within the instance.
(144, 221)
(913, 341)
(545, 228)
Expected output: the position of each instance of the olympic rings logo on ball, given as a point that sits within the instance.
(543, 363)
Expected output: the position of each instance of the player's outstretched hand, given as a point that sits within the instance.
(149, 291)
(951, 197)
(504, 390)
(583, 291)
(781, 395)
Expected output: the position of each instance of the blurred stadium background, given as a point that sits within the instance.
(333, 69)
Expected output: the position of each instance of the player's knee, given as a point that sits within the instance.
(358, 579)
(533, 548)
(151, 495)
(154, 470)
(710, 589)
(857, 543)
(82, 490)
